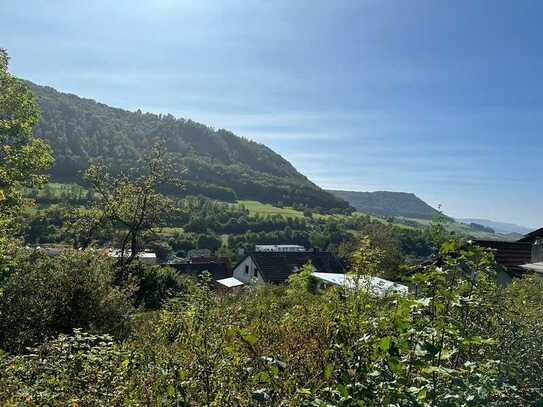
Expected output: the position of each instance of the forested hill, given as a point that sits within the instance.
(219, 164)
(385, 203)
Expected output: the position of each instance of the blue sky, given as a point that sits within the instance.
(440, 98)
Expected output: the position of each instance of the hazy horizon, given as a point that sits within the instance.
(443, 101)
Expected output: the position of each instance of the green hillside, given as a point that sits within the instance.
(219, 164)
(385, 203)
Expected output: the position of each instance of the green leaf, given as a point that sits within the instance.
(342, 390)
(384, 343)
(447, 353)
(261, 377)
(421, 394)
(182, 375)
(274, 370)
(395, 365)
(248, 337)
(328, 370)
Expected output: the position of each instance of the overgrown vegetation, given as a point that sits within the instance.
(459, 340)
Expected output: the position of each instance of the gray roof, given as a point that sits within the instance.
(537, 267)
(532, 236)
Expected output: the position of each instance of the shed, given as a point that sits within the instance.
(229, 285)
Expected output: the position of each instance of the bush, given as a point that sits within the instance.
(43, 296)
(156, 284)
(79, 370)
(518, 336)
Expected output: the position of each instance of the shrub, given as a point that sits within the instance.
(518, 337)
(155, 284)
(78, 370)
(44, 296)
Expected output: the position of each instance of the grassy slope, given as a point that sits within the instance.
(264, 209)
(387, 203)
(462, 229)
(259, 208)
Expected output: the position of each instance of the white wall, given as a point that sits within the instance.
(537, 251)
(241, 275)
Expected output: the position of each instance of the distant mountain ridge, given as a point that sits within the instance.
(499, 227)
(387, 203)
(219, 164)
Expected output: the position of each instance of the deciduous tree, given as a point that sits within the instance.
(23, 158)
(133, 200)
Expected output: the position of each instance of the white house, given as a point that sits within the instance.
(247, 271)
(277, 267)
(517, 257)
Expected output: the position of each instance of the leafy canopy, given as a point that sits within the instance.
(23, 158)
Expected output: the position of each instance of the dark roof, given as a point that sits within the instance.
(510, 255)
(532, 236)
(277, 267)
(218, 269)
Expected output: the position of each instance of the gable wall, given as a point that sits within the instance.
(537, 251)
(241, 275)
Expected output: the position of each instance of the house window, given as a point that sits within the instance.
(255, 273)
(247, 269)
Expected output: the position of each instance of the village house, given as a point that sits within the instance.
(534, 238)
(277, 267)
(218, 268)
(517, 257)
